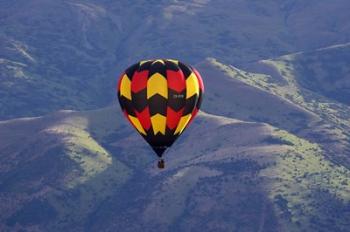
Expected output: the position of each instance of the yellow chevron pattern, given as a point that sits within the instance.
(137, 124)
(125, 87)
(182, 124)
(158, 122)
(173, 61)
(158, 118)
(192, 86)
(157, 84)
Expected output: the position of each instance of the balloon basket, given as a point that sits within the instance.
(161, 164)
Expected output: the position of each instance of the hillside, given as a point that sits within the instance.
(277, 99)
(67, 54)
(269, 150)
(323, 71)
(78, 171)
(102, 174)
(317, 81)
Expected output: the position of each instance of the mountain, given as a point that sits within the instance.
(323, 71)
(68, 54)
(268, 152)
(313, 80)
(72, 171)
(89, 171)
(277, 99)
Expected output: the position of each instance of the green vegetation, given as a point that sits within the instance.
(67, 55)
(313, 170)
(329, 119)
(170, 200)
(88, 171)
(95, 174)
(299, 176)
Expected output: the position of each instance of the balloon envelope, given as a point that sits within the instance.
(160, 98)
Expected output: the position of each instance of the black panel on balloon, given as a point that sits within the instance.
(157, 105)
(140, 100)
(190, 104)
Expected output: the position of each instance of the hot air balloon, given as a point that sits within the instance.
(160, 98)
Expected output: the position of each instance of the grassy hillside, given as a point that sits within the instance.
(306, 113)
(50, 60)
(90, 171)
(52, 169)
(316, 80)
(67, 54)
(269, 152)
(324, 71)
(231, 93)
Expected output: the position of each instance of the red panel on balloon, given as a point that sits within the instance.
(173, 118)
(144, 118)
(176, 80)
(139, 81)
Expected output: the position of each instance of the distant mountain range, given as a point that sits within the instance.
(270, 150)
(67, 54)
